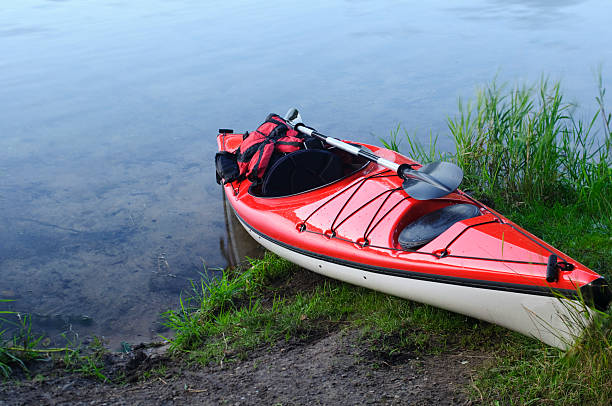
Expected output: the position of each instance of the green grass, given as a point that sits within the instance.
(87, 362)
(530, 373)
(212, 300)
(524, 144)
(416, 150)
(569, 228)
(534, 374)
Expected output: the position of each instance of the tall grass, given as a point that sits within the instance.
(416, 149)
(525, 144)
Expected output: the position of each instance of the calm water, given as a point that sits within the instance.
(109, 111)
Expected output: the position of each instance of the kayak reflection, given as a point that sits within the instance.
(237, 245)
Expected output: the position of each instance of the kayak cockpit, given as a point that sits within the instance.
(305, 170)
(427, 227)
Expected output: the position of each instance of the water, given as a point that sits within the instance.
(109, 111)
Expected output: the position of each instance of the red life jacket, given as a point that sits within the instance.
(275, 134)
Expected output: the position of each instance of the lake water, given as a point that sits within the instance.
(109, 112)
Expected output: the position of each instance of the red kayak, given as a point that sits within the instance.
(349, 218)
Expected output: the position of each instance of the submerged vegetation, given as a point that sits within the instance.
(20, 348)
(23, 346)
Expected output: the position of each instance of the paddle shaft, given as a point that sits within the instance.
(403, 171)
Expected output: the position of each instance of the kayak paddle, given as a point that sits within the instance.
(433, 180)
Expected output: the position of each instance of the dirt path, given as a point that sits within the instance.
(334, 369)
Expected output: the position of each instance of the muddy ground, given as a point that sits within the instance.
(333, 369)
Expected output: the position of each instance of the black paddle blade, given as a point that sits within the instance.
(433, 180)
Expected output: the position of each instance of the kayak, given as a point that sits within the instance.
(351, 219)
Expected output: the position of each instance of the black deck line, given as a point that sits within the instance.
(451, 280)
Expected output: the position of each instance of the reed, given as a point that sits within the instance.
(416, 149)
(525, 144)
(550, 172)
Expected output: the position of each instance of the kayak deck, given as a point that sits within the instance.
(359, 219)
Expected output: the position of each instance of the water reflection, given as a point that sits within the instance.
(237, 244)
(527, 14)
(19, 31)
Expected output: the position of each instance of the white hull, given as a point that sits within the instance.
(556, 322)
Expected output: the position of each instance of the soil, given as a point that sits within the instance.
(333, 369)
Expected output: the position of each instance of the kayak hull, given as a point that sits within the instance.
(554, 321)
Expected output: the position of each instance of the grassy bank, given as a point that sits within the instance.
(524, 374)
(290, 308)
(555, 174)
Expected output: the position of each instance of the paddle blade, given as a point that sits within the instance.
(433, 180)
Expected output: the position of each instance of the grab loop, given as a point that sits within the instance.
(330, 233)
(441, 253)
